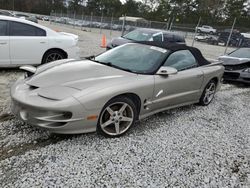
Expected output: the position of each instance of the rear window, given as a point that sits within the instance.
(138, 35)
(21, 29)
(179, 39)
(3, 28)
(174, 38)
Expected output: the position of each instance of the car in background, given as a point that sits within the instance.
(209, 39)
(201, 37)
(110, 92)
(6, 13)
(237, 66)
(45, 18)
(23, 42)
(145, 34)
(26, 17)
(246, 35)
(206, 29)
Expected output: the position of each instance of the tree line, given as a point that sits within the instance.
(214, 12)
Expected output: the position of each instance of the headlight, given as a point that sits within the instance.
(57, 92)
(247, 70)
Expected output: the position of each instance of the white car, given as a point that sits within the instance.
(23, 42)
(206, 29)
(201, 37)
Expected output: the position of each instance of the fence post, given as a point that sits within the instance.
(61, 17)
(50, 17)
(74, 19)
(55, 18)
(101, 22)
(123, 24)
(111, 25)
(91, 20)
(82, 21)
(229, 38)
(196, 31)
(172, 22)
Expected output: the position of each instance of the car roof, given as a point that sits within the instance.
(153, 31)
(9, 18)
(177, 47)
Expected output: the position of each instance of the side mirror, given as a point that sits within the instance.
(166, 71)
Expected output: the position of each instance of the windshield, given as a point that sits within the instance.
(137, 58)
(138, 35)
(241, 53)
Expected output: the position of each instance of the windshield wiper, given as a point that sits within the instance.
(90, 57)
(114, 66)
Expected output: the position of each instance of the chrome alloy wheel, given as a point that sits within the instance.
(209, 93)
(116, 118)
(53, 57)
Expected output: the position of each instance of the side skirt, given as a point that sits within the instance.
(164, 109)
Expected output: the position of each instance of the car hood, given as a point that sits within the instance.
(79, 75)
(227, 60)
(119, 41)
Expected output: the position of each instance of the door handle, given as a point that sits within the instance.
(3, 43)
(42, 42)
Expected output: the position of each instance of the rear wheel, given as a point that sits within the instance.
(53, 55)
(208, 93)
(117, 116)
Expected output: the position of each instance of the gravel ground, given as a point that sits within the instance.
(191, 146)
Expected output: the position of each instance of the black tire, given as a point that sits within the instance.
(203, 101)
(211, 32)
(46, 56)
(199, 31)
(105, 116)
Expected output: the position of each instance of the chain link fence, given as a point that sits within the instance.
(223, 35)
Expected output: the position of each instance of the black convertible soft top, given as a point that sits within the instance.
(176, 47)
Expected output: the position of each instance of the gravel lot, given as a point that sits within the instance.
(191, 146)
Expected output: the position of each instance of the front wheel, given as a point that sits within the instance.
(208, 93)
(117, 116)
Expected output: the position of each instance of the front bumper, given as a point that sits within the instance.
(73, 52)
(64, 117)
(237, 76)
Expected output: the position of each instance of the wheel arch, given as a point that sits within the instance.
(55, 49)
(216, 79)
(134, 97)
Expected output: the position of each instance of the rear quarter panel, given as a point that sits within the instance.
(213, 71)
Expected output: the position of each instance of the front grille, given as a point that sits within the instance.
(237, 67)
(231, 75)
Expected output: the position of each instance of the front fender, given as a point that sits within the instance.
(143, 87)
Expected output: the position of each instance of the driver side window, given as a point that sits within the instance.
(181, 60)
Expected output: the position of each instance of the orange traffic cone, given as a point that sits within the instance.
(104, 42)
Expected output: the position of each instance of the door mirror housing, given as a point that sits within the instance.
(166, 71)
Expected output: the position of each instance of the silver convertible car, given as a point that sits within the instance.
(111, 91)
